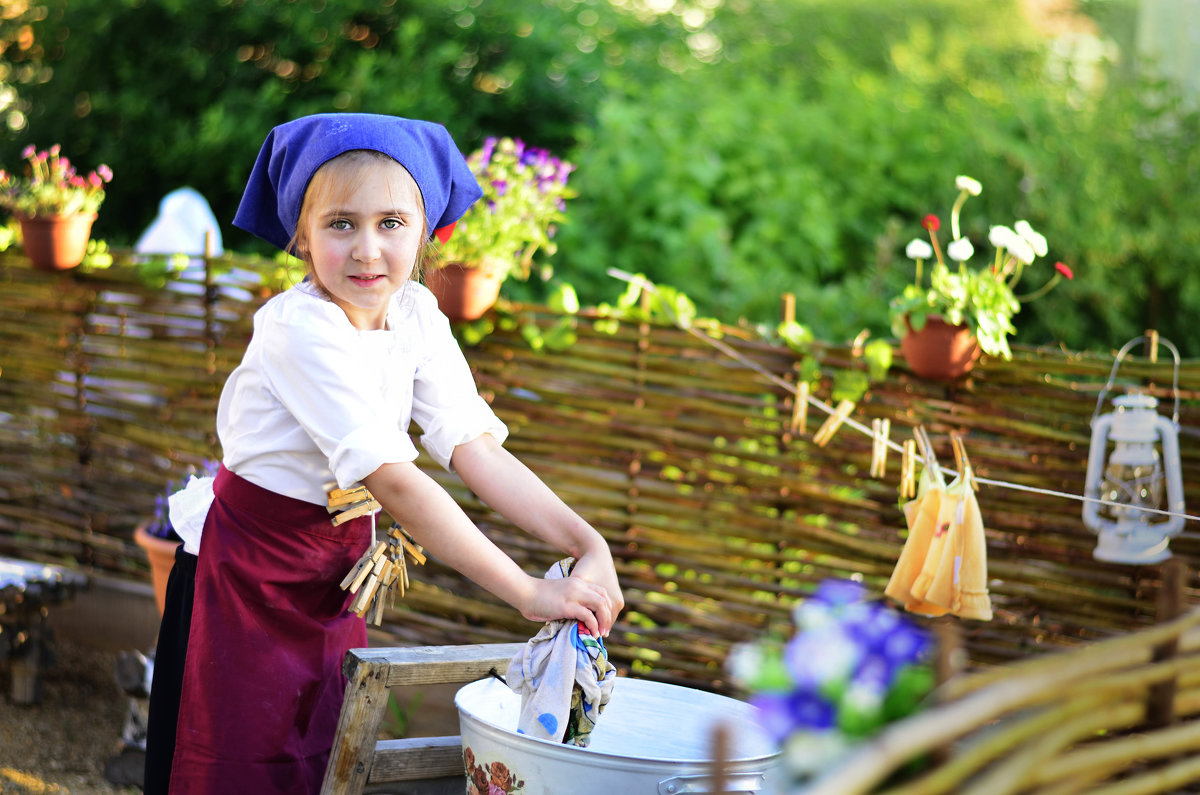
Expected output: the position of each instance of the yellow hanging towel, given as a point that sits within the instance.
(921, 515)
(943, 565)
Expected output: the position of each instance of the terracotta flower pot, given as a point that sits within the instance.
(939, 351)
(466, 292)
(56, 242)
(161, 553)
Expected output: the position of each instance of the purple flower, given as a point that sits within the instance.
(839, 592)
(489, 146)
(501, 186)
(818, 657)
(781, 714)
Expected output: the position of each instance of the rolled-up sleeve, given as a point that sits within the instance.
(328, 375)
(446, 401)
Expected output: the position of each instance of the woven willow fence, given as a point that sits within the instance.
(719, 516)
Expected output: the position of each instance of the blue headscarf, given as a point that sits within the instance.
(293, 152)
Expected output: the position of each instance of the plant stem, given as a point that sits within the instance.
(958, 203)
(937, 249)
(1045, 288)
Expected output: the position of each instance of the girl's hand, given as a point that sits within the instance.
(572, 598)
(597, 567)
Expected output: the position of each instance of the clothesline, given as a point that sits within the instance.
(728, 350)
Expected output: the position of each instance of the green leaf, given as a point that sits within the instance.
(796, 336)
(878, 356)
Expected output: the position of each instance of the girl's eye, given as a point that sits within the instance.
(392, 223)
(339, 223)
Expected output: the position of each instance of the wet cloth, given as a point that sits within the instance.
(563, 676)
(262, 684)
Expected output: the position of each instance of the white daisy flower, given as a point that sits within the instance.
(918, 248)
(1002, 237)
(960, 250)
(971, 186)
(1032, 237)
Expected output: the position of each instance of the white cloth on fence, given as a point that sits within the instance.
(563, 676)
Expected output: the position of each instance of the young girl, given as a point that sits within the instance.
(248, 683)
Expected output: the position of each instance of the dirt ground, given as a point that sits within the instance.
(61, 745)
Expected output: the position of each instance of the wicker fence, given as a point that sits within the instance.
(719, 515)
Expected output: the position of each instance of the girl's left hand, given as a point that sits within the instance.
(569, 598)
(597, 567)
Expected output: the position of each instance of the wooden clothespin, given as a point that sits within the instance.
(800, 409)
(381, 572)
(349, 504)
(339, 497)
(880, 428)
(908, 470)
(356, 510)
(962, 462)
(927, 454)
(833, 422)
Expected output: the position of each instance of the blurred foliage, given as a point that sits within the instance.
(183, 92)
(735, 149)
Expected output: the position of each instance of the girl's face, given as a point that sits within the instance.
(362, 241)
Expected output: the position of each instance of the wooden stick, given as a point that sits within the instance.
(1160, 702)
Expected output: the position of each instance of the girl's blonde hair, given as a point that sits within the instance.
(334, 181)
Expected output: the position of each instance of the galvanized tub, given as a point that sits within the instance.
(652, 739)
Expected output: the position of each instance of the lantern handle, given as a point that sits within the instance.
(1117, 363)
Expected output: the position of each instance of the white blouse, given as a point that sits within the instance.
(317, 402)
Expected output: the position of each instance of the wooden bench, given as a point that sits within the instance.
(358, 758)
(27, 589)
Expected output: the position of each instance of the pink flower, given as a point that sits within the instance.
(105, 173)
(931, 222)
(1064, 270)
(29, 151)
(494, 790)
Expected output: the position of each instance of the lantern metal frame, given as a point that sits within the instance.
(1132, 537)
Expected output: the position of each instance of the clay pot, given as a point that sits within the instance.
(56, 242)
(161, 553)
(466, 292)
(939, 351)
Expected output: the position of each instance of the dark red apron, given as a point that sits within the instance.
(262, 683)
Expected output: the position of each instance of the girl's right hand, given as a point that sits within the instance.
(570, 598)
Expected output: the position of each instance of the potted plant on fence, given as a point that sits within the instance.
(54, 205)
(943, 326)
(157, 537)
(524, 198)
(158, 540)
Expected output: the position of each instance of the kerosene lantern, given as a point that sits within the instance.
(1133, 465)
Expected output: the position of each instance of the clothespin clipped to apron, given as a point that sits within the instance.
(382, 569)
(349, 504)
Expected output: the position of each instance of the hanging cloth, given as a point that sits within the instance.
(943, 565)
(563, 676)
(921, 515)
